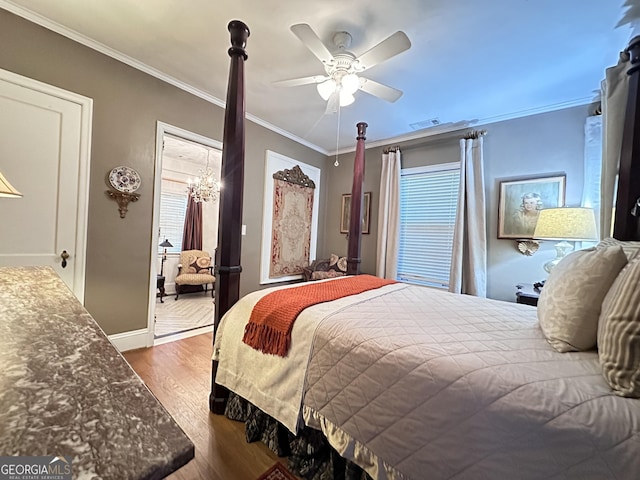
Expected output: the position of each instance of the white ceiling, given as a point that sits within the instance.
(471, 62)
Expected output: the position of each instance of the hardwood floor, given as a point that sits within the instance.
(179, 375)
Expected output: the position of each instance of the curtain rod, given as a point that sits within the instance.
(474, 134)
(395, 148)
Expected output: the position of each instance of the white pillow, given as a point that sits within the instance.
(570, 302)
(619, 332)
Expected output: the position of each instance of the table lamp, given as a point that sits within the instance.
(166, 244)
(574, 224)
(6, 189)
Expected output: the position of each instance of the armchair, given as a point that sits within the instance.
(194, 269)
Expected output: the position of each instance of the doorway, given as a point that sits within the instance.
(181, 157)
(45, 134)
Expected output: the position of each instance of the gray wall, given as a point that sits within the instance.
(549, 143)
(127, 105)
(541, 144)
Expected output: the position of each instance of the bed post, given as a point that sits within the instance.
(355, 215)
(227, 266)
(626, 225)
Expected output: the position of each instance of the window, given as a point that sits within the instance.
(173, 207)
(593, 168)
(428, 204)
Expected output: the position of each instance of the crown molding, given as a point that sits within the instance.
(463, 125)
(132, 62)
(121, 57)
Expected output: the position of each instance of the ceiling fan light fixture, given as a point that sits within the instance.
(346, 98)
(350, 83)
(326, 88)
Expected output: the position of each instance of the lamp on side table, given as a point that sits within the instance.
(576, 224)
(166, 244)
(160, 280)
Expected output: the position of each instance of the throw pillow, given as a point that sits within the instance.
(570, 302)
(339, 264)
(324, 275)
(200, 265)
(619, 333)
(630, 248)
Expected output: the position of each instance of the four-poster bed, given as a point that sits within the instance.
(412, 382)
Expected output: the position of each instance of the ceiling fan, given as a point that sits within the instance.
(342, 67)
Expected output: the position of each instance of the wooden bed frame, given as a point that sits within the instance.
(228, 268)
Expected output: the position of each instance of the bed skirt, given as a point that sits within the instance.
(309, 454)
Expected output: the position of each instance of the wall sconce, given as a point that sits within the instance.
(527, 247)
(7, 190)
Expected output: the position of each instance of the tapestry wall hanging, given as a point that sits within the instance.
(290, 218)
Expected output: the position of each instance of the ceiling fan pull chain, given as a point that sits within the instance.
(336, 163)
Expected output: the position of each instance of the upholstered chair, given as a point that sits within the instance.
(194, 269)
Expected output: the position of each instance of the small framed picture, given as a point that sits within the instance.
(520, 202)
(345, 214)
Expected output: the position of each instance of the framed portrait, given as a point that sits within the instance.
(520, 202)
(345, 212)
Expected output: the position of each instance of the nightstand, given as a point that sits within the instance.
(527, 294)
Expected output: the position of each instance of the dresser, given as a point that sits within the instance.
(67, 392)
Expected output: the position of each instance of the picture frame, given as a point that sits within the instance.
(521, 200)
(345, 212)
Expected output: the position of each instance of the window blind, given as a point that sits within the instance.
(173, 208)
(592, 169)
(428, 204)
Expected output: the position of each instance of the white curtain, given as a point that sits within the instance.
(469, 257)
(615, 89)
(389, 216)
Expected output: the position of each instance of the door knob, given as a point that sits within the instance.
(64, 255)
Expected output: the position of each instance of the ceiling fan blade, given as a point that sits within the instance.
(389, 47)
(379, 90)
(294, 82)
(333, 103)
(310, 40)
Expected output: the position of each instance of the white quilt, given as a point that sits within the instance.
(412, 382)
(272, 383)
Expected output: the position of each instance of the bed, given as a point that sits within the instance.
(412, 382)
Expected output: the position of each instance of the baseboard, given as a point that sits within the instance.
(181, 335)
(130, 340)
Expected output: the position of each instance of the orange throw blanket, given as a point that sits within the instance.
(271, 321)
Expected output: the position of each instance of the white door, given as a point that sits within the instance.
(44, 153)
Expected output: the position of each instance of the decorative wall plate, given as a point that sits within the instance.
(124, 179)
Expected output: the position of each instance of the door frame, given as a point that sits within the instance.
(162, 129)
(84, 159)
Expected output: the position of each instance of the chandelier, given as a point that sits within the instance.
(204, 187)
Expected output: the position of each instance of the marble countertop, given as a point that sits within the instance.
(66, 390)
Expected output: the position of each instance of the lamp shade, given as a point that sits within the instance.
(346, 98)
(166, 243)
(350, 83)
(566, 223)
(326, 88)
(6, 189)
